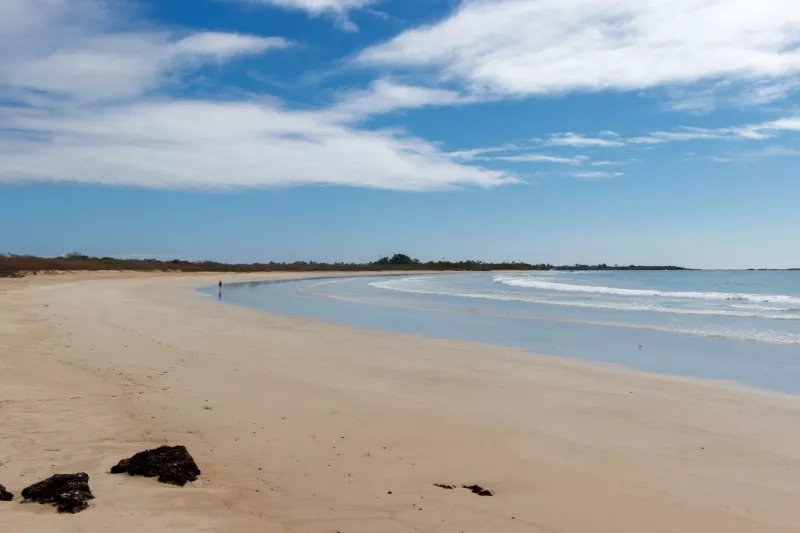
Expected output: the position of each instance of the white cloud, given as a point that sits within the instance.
(537, 158)
(693, 134)
(769, 151)
(197, 144)
(596, 175)
(607, 163)
(757, 132)
(777, 150)
(609, 139)
(69, 48)
(318, 7)
(224, 45)
(337, 8)
(765, 93)
(511, 155)
(784, 124)
(693, 102)
(84, 101)
(707, 97)
(645, 140)
(477, 153)
(384, 96)
(516, 47)
(780, 151)
(574, 139)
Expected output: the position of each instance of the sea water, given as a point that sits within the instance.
(742, 326)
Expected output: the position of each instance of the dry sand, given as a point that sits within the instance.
(303, 426)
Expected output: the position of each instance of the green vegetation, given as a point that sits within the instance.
(21, 265)
(618, 267)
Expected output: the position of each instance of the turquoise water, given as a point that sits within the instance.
(731, 325)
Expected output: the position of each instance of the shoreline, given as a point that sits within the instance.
(310, 425)
(704, 357)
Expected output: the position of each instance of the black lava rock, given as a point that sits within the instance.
(480, 491)
(171, 464)
(5, 496)
(70, 493)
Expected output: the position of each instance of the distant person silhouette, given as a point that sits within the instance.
(220, 290)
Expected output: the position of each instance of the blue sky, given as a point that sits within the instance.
(618, 131)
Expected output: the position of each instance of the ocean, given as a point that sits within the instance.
(739, 326)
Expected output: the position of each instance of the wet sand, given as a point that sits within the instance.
(303, 426)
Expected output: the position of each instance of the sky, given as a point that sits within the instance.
(560, 131)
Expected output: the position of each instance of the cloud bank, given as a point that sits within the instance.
(85, 104)
(519, 47)
(91, 93)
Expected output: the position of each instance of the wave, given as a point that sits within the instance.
(770, 336)
(766, 312)
(536, 283)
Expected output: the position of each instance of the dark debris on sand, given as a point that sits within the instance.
(5, 496)
(70, 493)
(171, 464)
(443, 486)
(480, 491)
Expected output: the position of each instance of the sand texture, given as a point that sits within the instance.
(302, 426)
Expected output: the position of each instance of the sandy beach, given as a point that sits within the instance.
(304, 426)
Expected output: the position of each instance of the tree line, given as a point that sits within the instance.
(21, 265)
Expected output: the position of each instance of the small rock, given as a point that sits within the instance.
(480, 491)
(441, 486)
(5, 496)
(70, 493)
(171, 464)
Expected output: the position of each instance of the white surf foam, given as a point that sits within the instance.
(537, 283)
(412, 285)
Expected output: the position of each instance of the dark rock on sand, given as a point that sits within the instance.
(70, 493)
(442, 486)
(5, 496)
(171, 464)
(480, 491)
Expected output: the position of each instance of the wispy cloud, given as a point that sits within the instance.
(384, 96)
(769, 151)
(783, 124)
(538, 158)
(758, 132)
(477, 153)
(338, 9)
(203, 144)
(513, 47)
(73, 50)
(576, 140)
(90, 96)
(610, 139)
(701, 99)
(516, 153)
(608, 163)
(596, 175)
(645, 140)
(695, 102)
(86, 100)
(317, 7)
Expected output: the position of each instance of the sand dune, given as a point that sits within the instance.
(303, 426)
